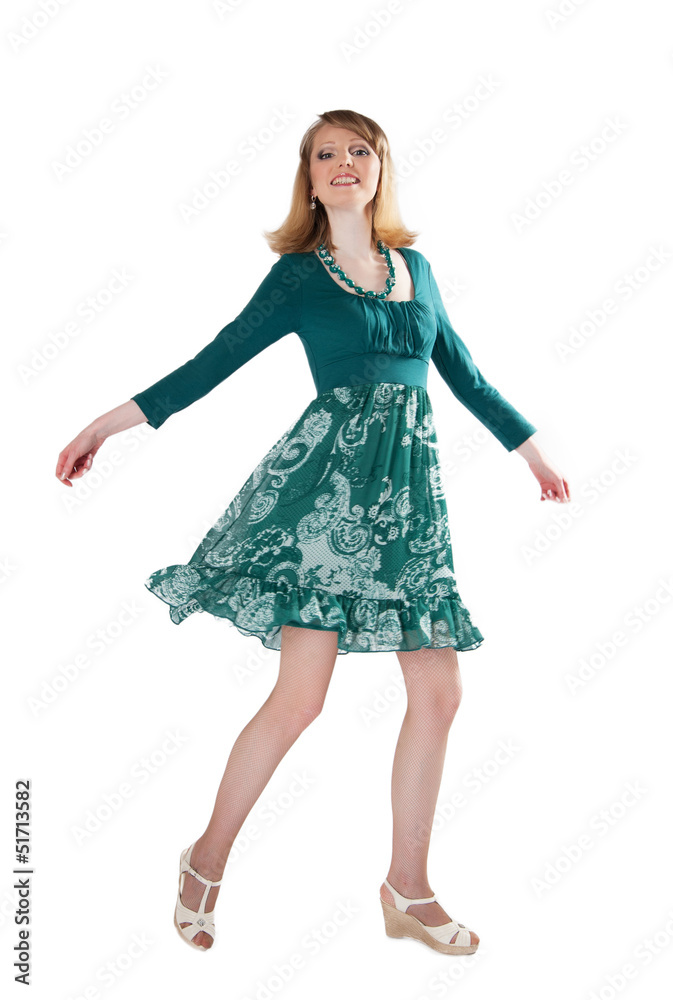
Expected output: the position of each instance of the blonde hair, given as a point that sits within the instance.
(305, 228)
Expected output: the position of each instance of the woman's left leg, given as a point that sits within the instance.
(434, 690)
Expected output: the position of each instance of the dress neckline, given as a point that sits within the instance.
(371, 298)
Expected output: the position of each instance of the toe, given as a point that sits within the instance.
(474, 938)
(202, 939)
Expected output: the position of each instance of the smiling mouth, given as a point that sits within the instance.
(343, 181)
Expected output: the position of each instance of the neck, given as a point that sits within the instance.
(351, 235)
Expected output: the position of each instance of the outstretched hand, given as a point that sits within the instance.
(77, 457)
(552, 483)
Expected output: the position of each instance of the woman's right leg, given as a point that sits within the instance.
(307, 658)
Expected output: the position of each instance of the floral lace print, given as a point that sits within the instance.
(343, 526)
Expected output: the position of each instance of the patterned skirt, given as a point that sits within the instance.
(342, 526)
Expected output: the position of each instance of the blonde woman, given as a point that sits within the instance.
(339, 539)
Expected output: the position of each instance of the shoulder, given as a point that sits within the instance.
(287, 264)
(299, 265)
(415, 255)
(291, 261)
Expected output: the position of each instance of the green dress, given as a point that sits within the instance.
(343, 524)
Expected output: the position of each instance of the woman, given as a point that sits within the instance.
(339, 539)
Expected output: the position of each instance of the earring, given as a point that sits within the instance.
(312, 201)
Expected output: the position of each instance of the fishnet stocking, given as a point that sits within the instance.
(307, 659)
(434, 691)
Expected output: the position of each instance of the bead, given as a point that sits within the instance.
(335, 269)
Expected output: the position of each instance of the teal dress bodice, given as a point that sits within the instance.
(349, 339)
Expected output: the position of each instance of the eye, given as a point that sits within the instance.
(360, 149)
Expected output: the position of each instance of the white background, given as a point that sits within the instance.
(554, 918)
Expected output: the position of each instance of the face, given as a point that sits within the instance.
(336, 151)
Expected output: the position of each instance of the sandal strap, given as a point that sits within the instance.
(198, 920)
(403, 902)
(186, 867)
(445, 932)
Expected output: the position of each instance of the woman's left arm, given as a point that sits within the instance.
(456, 365)
(548, 475)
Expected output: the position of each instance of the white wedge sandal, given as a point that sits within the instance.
(399, 924)
(199, 919)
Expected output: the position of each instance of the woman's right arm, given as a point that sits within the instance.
(273, 311)
(77, 457)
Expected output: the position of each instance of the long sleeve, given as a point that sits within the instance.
(273, 311)
(456, 366)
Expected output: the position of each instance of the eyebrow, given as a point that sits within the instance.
(331, 142)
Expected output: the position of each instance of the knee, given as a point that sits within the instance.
(297, 714)
(437, 703)
(433, 683)
(444, 705)
(309, 712)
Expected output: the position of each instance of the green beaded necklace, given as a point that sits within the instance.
(334, 267)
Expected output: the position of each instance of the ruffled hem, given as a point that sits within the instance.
(260, 608)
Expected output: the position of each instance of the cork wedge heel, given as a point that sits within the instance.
(399, 924)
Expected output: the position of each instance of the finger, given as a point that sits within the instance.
(66, 466)
(70, 471)
(561, 495)
(74, 468)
